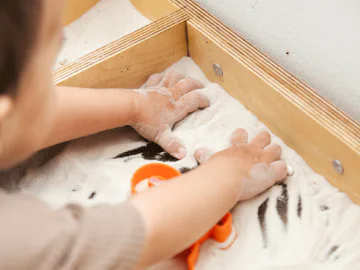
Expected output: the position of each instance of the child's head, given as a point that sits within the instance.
(30, 36)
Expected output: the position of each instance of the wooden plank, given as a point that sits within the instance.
(76, 8)
(154, 9)
(129, 61)
(308, 123)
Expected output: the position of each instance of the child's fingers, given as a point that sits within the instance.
(271, 153)
(171, 144)
(189, 103)
(171, 78)
(261, 177)
(280, 170)
(154, 80)
(239, 137)
(203, 154)
(184, 86)
(261, 140)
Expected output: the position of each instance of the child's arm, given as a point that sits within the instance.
(152, 111)
(180, 211)
(150, 227)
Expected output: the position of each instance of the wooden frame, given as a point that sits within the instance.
(308, 123)
(154, 9)
(129, 61)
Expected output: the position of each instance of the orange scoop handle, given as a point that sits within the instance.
(220, 233)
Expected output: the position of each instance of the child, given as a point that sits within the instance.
(34, 114)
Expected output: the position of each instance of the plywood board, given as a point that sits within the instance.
(312, 126)
(154, 9)
(129, 61)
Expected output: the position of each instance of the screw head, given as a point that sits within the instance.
(218, 70)
(338, 166)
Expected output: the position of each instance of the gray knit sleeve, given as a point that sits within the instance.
(35, 237)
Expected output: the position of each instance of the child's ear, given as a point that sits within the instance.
(6, 105)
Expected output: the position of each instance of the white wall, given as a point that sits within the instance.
(321, 36)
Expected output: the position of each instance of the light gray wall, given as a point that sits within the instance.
(321, 36)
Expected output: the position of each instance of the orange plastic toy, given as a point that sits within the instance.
(153, 170)
(221, 232)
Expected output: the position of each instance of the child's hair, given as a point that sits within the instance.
(18, 32)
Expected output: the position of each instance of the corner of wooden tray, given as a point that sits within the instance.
(155, 9)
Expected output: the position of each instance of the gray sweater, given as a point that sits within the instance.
(35, 237)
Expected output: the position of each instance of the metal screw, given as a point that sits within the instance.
(338, 166)
(218, 70)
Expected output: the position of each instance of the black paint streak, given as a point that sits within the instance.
(186, 169)
(324, 207)
(73, 190)
(261, 216)
(282, 204)
(150, 151)
(92, 195)
(299, 208)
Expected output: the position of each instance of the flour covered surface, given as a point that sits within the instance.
(303, 223)
(106, 22)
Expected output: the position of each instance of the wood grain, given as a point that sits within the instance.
(129, 61)
(308, 123)
(154, 9)
(76, 8)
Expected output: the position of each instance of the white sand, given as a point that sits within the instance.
(325, 237)
(105, 22)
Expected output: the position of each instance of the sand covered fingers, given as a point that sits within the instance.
(239, 137)
(154, 80)
(271, 153)
(257, 164)
(185, 86)
(261, 140)
(170, 79)
(189, 103)
(166, 99)
(171, 143)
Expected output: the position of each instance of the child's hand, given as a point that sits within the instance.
(257, 163)
(166, 100)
